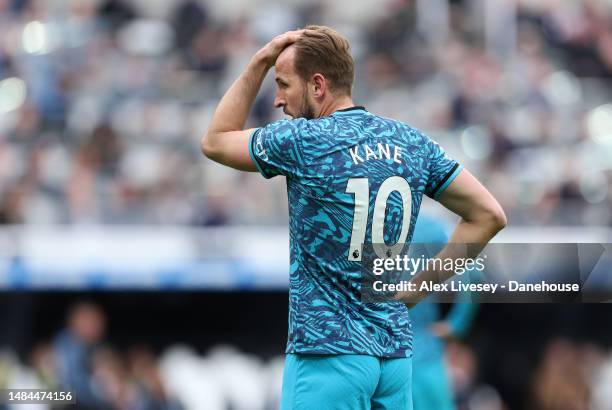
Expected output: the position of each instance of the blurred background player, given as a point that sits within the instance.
(431, 384)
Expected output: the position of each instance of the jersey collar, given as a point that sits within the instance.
(350, 110)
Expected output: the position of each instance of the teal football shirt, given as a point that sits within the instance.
(352, 178)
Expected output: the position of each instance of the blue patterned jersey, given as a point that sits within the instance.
(352, 178)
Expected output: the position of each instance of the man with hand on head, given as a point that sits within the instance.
(353, 178)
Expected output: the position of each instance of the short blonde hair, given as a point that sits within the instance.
(323, 50)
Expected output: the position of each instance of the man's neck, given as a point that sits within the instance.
(334, 105)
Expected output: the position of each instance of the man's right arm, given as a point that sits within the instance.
(482, 217)
(226, 141)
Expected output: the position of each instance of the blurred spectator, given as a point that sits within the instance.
(560, 382)
(11, 205)
(75, 348)
(189, 18)
(151, 394)
(42, 361)
(116, 13)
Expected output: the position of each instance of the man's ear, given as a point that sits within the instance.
(319, 85)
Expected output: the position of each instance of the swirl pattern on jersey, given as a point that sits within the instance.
(318, 158)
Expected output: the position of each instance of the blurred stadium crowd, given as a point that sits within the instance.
(103, 102)
(569, 375)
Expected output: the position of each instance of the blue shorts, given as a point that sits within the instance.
(351, 382)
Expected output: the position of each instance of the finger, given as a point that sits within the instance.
(290, 37)
(294, 35)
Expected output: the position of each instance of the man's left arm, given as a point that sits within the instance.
(226, 140)
(481, 219)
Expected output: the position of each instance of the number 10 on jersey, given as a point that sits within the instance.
(360, 187)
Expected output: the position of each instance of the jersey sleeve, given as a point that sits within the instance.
(276, 148)
(442, 170)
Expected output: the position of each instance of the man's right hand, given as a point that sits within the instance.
(270, 52)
